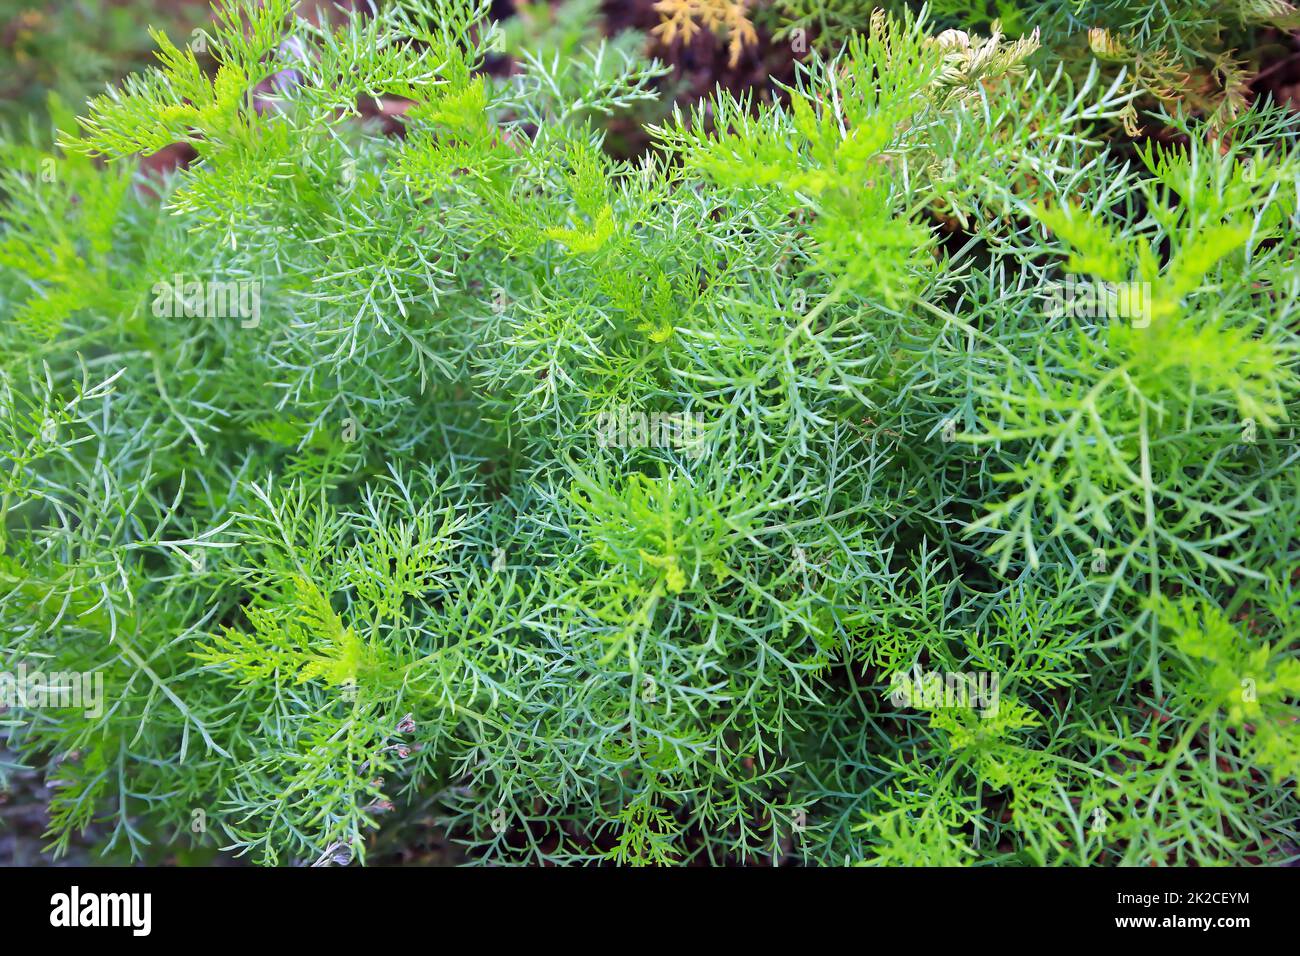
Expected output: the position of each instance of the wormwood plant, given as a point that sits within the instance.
(1192, 54)
(361, 540)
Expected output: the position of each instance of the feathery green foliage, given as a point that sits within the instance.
(602, 505)
(1189, 54)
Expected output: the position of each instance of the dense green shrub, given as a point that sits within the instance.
(627, 510)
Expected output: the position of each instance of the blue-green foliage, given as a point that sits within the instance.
(386, 484)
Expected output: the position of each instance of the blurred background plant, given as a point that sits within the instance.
(73, 47)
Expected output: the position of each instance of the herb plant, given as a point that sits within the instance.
(602, 507)
(1191, 54)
